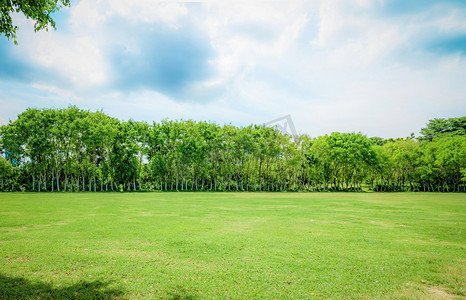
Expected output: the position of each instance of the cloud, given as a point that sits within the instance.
(167, 60)
(408, 8)
(373, 31)
(88, 13)
(453, 44)
(12, 66)
(60, 58)
(381, 67)
(115, 45)
(149, 11)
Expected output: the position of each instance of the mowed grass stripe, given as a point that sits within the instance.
(232, 245)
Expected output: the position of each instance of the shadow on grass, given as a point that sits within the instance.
(179, 293)
(20, 288)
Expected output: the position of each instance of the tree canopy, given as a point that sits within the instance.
(442, 127)
(38, 10)
(76, 150)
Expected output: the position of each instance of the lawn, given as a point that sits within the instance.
(232, 245)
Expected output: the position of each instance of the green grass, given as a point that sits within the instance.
(232, 245)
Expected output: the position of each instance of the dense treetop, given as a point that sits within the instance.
(76, 150)
(444, 127)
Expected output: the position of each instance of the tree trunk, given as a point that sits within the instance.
(58, 181)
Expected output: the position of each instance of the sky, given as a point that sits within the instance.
(379, 67)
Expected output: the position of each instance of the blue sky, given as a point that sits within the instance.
(383, 68)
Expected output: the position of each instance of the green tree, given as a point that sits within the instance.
(31, 136)
(401, 155)
(6, 170)
(343, 158)
(125, 153)
(38, 10)
(442, 163)
(444, 127)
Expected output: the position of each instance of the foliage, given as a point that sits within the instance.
(38, 10)
(444, 127)
(6, 170)
(76, 150)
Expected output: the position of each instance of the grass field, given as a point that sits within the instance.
(232, 245)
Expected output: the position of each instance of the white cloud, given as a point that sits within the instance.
(78, 54)
(333, 65)
(66, 95)
(92, 13)
(80, 59)
(352, 36)
(74, 57)
(87, 13)
(246, 34)
(149, 11)
(350, 76)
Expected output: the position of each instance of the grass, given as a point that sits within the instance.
(232, 245)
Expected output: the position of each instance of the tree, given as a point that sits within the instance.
(5, 170)
(125, 152)
(444, 127)
(402, 156)
(443, 163)
(31, 135)
(343, 158)
(37, 10)
(71, 149)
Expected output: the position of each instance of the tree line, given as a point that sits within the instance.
(77, 150)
